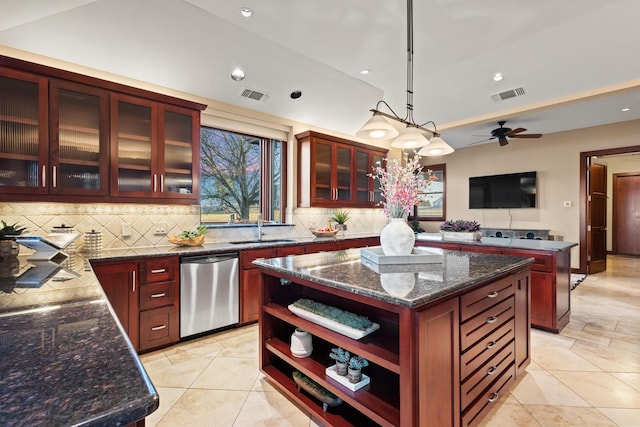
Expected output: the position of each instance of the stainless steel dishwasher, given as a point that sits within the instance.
(209, 293)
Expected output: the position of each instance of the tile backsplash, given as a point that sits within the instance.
(135, 225)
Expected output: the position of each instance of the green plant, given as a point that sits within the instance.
(314, 385)
(415, 225)
(340, 355)
(347, 318)
(190, 234)
(358, 362)
(340, 216)
(10, 230)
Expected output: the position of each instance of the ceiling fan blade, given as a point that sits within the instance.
(514, 131)
(503, 140)
(527, 135)
(482, 140)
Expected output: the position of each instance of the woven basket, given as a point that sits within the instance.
(188, 241)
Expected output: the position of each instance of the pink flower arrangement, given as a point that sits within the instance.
(401, 185)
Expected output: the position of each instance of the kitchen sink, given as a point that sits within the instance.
(245, 242)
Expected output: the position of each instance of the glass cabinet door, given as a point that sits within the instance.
(343, 173)
(134, 139)
(79, 139)
(363, 194)
(24, 144)
(378, 159)
(180, 153)
(322, 191)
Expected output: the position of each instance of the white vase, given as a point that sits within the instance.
(398, 284)
(397, 238)
(301, 344)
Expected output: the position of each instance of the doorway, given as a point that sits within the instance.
(586, 160)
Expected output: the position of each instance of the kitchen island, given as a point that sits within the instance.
(453, 336)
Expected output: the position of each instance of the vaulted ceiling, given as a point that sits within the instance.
(576, 60)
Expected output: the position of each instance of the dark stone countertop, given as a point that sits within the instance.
(410, 285)
(531, 244)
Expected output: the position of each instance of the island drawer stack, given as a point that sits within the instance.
(487, 347)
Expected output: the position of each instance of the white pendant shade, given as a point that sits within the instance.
(410, 137)
(436, 147)
(377, 127)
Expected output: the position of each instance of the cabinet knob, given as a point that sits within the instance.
(493, 397)
(492, 319)
(491, 344)
(492, 370)
(492, 294)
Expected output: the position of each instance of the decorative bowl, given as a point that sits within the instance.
(331, 233)
(187, 241)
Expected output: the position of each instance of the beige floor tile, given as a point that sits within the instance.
(509, 414)
(543, 338)
(533, 366)
(270, 409)
(262, 384)
(542, 388)
(229, 373)
(246, 348)
(560, 359)
(626, 345)
(155, 362)
(567, 416)
(630, 379)
(179, 375)
(600, 389)
(202, 349)
(197, 408)
(623, 417)
(608, 359)
(168, 397)
(585, 336)
(629, 328)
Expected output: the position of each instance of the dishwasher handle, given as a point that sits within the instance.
(209, 259)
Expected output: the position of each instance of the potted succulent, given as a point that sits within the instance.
(460, 229)
(341, 356)
(356, 363)
(8, 246)
(340, 217)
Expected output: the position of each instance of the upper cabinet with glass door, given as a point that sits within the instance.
(179, 137)
(24, 137)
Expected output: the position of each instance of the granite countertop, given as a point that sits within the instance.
(410, 285)
(534, 244)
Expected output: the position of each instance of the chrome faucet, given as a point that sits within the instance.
(259, 227)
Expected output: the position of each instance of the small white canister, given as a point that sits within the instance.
(93, 242)
(301, 343)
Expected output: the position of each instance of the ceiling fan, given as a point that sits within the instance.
(502, 133)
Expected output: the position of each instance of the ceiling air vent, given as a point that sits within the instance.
(511, 93)
(255, 95)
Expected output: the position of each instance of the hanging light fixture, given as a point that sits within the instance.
(412, 135)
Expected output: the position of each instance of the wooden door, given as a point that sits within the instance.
(596, 218)
(626, 213)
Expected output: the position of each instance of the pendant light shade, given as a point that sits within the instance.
(436, 147)
(409, 138)
(377, 127)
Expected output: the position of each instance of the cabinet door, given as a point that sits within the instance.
(134, 160)
(321, 183)
(120, 285)
(542, 300)
(24, 130)
(79, 139)
(367, 189)
(250, 295)
(523, 323)
(343, 190)
(179, 157)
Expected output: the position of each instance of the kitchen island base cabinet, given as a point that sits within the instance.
(428, 365)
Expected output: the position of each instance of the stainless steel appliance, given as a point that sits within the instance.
(209, 293)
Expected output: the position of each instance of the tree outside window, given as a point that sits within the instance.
(240, 177)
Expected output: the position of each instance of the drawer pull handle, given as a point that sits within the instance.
(158, 328)
(160, 270)
(492, 294)
(493, 397)
(491, 344)
(158, 295)
(492, 319)
(492, 370)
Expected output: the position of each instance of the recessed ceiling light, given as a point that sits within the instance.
(295, 94)
(497, 77)
(365, 71)
(626, 109)
(237, 74)
(246, 12)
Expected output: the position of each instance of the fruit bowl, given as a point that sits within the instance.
(323, 232)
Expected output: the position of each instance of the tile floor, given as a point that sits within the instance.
(588, 375)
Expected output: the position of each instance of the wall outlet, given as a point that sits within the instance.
(125, 231)
(160, 228)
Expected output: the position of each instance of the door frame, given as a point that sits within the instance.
(585, 160)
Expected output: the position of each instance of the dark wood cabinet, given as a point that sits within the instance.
(145, 297)
(65, 137)
(333, 172)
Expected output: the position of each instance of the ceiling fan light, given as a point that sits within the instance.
(377, 127)
(410, 137)
(436, 147)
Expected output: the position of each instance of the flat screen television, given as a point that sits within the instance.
(514, 190)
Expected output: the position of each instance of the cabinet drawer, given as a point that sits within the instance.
(486, 348)
(486, 322)
(157, 295)
(473, 386)
(154, 270)
(482, 298)
(158, 327)
(247, 257)
(474, 414)
(542, 261)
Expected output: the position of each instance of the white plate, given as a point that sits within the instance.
(348, 331)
